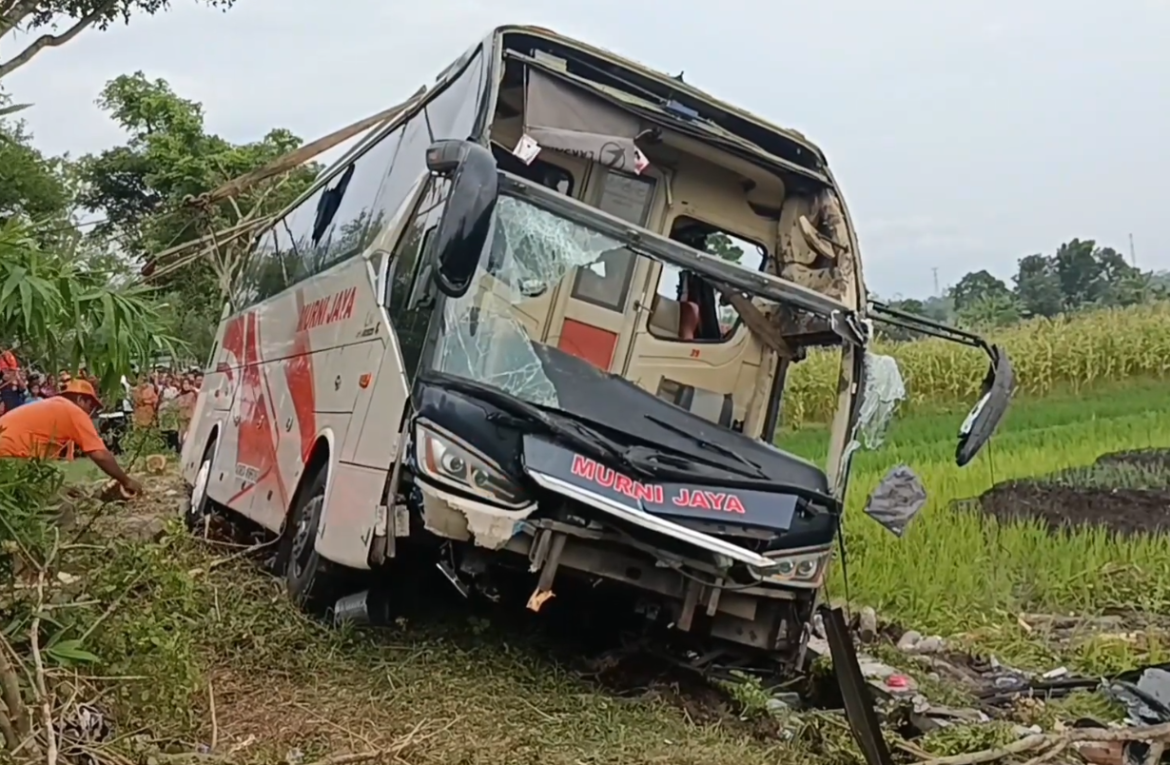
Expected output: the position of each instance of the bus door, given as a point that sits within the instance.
(595, 311)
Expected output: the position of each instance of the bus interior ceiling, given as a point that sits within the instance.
(700, 187)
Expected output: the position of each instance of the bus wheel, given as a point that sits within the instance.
(309, 577)
(199, 505)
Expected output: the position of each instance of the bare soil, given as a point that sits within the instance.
(1060, 503)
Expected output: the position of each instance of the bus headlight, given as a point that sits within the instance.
(800, 570)
(447, 460)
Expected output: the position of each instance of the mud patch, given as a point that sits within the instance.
(1125, 492)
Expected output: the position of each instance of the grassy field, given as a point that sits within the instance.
(1080, 353)
(452, 685)
(954, 572)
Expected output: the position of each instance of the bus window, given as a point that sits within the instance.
(629, 198)
(538, 171)
(452, 113)
(409, 277)
(685, 306)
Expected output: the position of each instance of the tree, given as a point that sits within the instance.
(892, 331)
(1038, 286)
(719, 243)
(975, 287)
(991, 309)
(31, 184)
(141, 189)
(1078, 272)
(61, 313)
(73, 17)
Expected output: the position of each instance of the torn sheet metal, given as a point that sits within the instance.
(1146, 698)
(859, 710)
(897, 500)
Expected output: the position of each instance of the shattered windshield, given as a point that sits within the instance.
(488, 333)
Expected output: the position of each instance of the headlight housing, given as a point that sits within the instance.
(805, 570)
(447, 460)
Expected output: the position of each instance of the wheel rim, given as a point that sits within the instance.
(302, 543)
(199, 489)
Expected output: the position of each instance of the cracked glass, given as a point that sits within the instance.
(488, 333)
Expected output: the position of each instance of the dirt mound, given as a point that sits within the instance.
(1124, 511)
(1154, 460)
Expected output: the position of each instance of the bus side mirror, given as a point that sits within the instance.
(985, 416)
(466, 222)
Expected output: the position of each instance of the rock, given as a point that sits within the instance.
(867, 624)
(932, 644)
(909, 641)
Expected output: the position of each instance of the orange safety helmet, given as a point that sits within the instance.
(82, 388)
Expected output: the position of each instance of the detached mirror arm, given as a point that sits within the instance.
(891, 316)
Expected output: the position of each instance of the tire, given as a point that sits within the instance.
(311, 581)
(199, 505)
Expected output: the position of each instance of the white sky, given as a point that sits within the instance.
(965, 134)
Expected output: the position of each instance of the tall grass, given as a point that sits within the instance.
(957, 571)
(1073, 353)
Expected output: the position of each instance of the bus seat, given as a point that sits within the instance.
(673, 318)
(664, 316)
(688, 320)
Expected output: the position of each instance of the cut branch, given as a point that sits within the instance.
(16, 723)
(303, 154)
(53, 41)
(1047, 742)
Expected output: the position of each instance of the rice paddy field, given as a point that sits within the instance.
(1063, 513)
(1082, 352)
(1066, 510)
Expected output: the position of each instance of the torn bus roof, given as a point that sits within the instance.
(547, 84)
(792, 145)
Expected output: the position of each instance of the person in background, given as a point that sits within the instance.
(46, 429)
(12, 389)
(145, 402)
(186, 406)
(34, 392)
(48, 386)
(8, 361)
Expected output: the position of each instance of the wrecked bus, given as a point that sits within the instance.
(538, 325)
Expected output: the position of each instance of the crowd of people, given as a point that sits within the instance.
(165, 399)
(51, 415)
(162, 398)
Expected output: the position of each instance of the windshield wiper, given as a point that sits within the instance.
(754, 469)
(526, 415)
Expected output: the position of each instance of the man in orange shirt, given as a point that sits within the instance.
(44, 429)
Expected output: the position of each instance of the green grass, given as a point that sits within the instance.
(481, 689)
(956, 572)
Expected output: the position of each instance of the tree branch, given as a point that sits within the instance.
(53, 41)
(14, 12)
